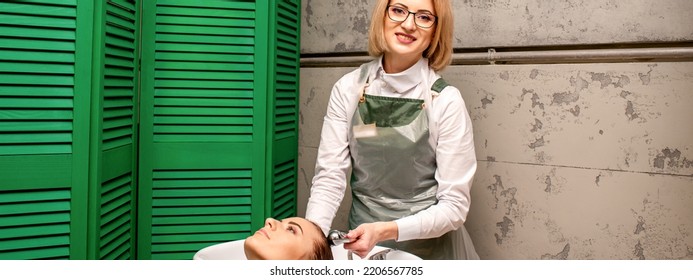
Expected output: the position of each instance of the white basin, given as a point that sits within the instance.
(233, 250)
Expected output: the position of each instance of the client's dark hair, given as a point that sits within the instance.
(321, 248)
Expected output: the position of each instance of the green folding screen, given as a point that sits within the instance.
(144, 129)
(218, 139)
(67, 129)
(44, 128)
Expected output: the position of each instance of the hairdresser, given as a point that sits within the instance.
(404, 135)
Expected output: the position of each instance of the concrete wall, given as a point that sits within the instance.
(342, 25)
(576, 161)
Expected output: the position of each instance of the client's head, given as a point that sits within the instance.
(289, 239)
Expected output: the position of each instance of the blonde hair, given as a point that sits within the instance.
(439, 52)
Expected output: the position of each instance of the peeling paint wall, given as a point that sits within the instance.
(576, 161)
(581, 161)
(625, 116)
(483, 23)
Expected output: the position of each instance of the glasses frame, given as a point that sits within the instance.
(387, 11)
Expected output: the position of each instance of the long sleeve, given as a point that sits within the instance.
(333, 161)
(456, 165)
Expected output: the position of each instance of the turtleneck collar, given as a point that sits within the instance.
(403, 81)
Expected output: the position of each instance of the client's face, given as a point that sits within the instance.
(289, 239)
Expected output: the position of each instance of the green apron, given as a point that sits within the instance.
(393, 168)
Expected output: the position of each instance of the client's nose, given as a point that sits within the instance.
(271, 223)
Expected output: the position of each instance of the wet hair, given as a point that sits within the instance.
(321, 247)
(439, 52)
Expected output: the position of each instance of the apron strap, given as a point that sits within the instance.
(364, 79)
(439, 85)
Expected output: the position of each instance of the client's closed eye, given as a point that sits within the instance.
(295, 227)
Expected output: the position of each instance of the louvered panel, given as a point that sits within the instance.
(118, 249)
(35, 224)
(114, 238)
(243, 11)
(208, 31)
(38, 253)
(284, 84)
(35, 231)
(205, 102)
(41, 218)
(28, 79)
(286, 70)
(243, 5)
(116, 218)
(52, 126)
(37, 44)
(37, 47)
(206, 21)
(126, 5)
(227, 119)
(119, 74)
(192, 209)
(199, 238)
(210, 120)
(36, 90)
(202, 57)
(211, 183)
(37, 56)
(41, 18)
(286, 112)
(59, 8)
(29, 67)
(37, 66)
(32, 243)
(204, 73)
(210, 66)
(36, 32)
(202, 219)
(284, 190)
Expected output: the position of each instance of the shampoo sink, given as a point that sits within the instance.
(233, 250)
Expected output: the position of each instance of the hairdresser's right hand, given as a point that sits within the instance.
(366, 236)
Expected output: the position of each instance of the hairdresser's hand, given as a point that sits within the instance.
(367, 235)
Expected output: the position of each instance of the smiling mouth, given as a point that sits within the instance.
(404, 37)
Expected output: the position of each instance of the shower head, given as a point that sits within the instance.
(336, 237)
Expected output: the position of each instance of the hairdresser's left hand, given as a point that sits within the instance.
(367, 235)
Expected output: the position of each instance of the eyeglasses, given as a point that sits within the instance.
(422, 19)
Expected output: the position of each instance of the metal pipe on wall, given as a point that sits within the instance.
(573, 56)
(532, 57)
